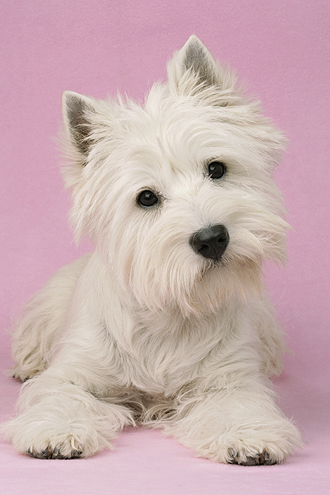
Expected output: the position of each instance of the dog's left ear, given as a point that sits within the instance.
(194, 72)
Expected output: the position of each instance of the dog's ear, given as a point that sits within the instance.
(77, 114)
(196, 57)
(194, 72)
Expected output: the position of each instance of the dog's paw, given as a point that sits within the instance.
(62, 445)
(254, 443)
(262, 458)
(47, 440)
(23, 373)
(21, 378)
(54, 453)
(52, 436)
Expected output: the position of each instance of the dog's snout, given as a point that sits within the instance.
(210, 242)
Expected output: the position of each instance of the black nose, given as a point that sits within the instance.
(210, 242)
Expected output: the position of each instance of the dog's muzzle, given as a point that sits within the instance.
(210, 242)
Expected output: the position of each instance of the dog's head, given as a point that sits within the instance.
(178, 193)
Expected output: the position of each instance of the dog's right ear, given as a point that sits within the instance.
(78, 113)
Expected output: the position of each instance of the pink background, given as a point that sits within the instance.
(281, 51)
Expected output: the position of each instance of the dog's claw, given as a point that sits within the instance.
(57, 454)
(233, 454)
(29, 452)
(76, 454)
(47, 454)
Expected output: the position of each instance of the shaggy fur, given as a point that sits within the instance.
(147, 329)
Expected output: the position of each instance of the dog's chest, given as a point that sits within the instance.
(166, 351)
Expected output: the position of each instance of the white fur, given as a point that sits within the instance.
(144, 330)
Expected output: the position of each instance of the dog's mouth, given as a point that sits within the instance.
(211, 265)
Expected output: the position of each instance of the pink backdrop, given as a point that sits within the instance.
(281, 52)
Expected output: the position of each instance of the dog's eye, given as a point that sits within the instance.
(147, 198)
(216, 170)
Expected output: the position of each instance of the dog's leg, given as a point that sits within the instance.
(230, 414)
(238, 425)
(60, 419)
(66, 410)
(42, 320)
(272, 342)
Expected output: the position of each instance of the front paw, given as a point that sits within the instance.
(52, 436)
(238, 430)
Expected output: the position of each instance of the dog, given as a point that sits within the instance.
(167, 323)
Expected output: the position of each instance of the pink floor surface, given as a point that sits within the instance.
(281, 51)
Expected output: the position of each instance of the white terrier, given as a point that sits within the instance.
(166, 323)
